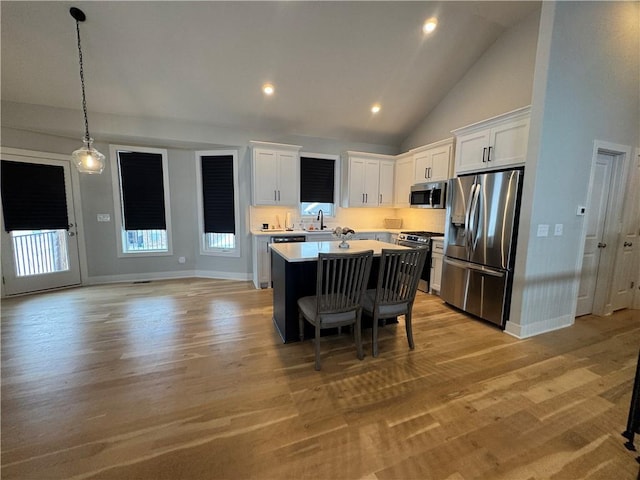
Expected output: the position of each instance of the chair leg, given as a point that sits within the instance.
(374, 329)
(301, 325)
(358, 337)
(407, 322)
(317, 341)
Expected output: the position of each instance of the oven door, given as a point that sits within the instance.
(425, 277)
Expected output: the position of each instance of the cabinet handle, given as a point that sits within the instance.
(628, 244)
(366, 198)
(484, 154)
(363, 198)
(489, 154)
(275, 195)
(429, 172)
(278, 195)
(380, 198)
(425, 172)
(602, 245)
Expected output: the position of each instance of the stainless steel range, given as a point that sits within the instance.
(420, 239)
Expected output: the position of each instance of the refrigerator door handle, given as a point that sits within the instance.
(472, 266)
(472, 240)
(467, 219)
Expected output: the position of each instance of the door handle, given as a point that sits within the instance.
(628, 244)
(602, 245)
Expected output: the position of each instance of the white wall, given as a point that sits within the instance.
(53, 130)
(500, 81)
(585, 89)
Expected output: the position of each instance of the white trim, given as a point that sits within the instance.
(144, 277)
(537, 328)
(235, 252)
(117, 199)
(75, 193)
(271, 145)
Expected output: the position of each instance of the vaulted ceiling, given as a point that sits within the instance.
(205, 62)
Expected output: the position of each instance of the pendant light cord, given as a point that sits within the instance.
(84, 98)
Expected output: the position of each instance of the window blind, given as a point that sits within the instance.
(33, 196)
(316, 179)
(142, 191)
(218, 194)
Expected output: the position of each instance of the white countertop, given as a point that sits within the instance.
(305, 251)
(273, 232)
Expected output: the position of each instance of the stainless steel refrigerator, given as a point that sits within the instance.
(480, 236)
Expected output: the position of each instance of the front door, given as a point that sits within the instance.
(36, 256)
(594, 240)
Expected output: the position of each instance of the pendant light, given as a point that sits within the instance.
(87, 159)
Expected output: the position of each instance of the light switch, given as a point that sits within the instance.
(104, 217)
(557, 231)
(543, 230)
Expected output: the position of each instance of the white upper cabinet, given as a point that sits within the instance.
(367, 180)
(433, 162)
(494, 143)
(403, 179)
(275, 174)
(385, 192)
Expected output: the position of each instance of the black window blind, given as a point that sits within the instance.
(33, 196)
(316, 179)
(218, 194)
(142, 191)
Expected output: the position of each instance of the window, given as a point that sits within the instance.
(217, 187)
(317, 184)
(141, 197)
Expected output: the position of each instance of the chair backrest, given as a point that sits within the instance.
(341, 280)
(399, 274)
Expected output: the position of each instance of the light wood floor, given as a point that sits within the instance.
(189, 380)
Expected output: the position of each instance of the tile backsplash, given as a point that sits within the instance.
(356, 218)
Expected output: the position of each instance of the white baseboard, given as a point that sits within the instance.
(537, 328)
(143, 277)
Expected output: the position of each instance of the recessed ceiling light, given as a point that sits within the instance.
(375, 108)
(430, 25)
(268, 89)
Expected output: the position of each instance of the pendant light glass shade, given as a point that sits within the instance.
(87, 159)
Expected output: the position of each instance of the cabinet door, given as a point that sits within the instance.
(436, 272)
(403, 181)
(509, 143)
(265, 177)
(357, 167)
(288, 178)
(371, 183)
(440, 162)
(470, 149)
(385, 193)
(422, 167)
(262, 278)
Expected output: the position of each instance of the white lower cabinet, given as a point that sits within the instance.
(437, 256)
(261, 261)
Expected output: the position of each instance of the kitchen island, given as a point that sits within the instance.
(293, 273)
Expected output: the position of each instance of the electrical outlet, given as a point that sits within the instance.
(557, 230)
(104, 217)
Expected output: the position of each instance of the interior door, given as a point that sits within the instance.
(594, 240)
(41, 259)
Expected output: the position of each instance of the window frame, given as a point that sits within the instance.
(118, 205)
(336, 183)
(204, 250)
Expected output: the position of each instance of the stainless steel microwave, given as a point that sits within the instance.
(429, 195)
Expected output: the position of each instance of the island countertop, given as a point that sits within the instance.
(309, 250)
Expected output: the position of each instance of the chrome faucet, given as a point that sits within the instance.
(321, 218)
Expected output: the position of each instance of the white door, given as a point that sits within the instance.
(265, 189)
(35, 260)
(594, 240)
(626, 268)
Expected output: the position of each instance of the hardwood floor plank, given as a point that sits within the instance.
(189, 379)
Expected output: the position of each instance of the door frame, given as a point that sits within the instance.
(34, 156)
(614, 217)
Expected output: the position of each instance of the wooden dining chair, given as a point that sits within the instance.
(340, 282)
(396, 289)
